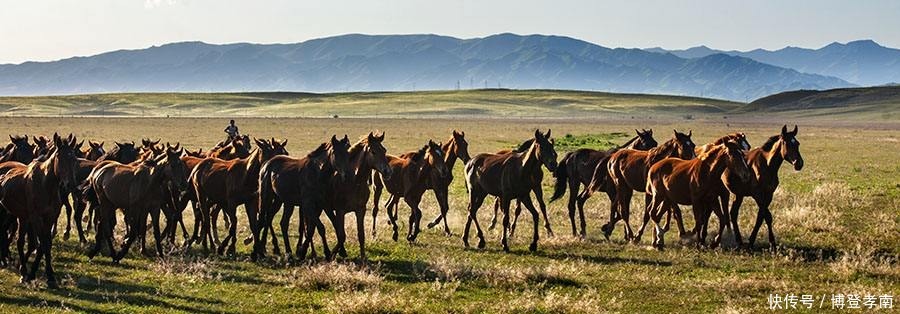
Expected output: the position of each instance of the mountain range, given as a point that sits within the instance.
(861, 62)
(358, 62)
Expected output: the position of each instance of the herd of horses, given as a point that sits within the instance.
(154, 181)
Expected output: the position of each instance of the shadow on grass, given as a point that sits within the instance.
(104, 291)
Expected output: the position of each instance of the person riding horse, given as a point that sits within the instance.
(232, 130)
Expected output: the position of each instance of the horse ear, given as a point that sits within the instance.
(284, 143)
(650, 131)
(11, 139)
(334, 140)
(548, 133)
(784, 130)
(371, 136)
(381, 136)
(637, 132)
(690, 132)
(794, 132)
(537, 133)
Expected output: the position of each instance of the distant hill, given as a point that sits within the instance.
(862, 62)
(406, 62)
(870, 98)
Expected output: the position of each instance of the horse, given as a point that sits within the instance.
(138, 189)
(289, 181)
(702, 218)
(236, 148)
(94, 151)
(122, 153)
(41, 145)
(410, 174)
(627, 170)
(455, 148)
(178, 204)
(18, 150)
(536, 179)
(577, 168)
(30, 195)
(765, 161)
(507, 176)
(151, 146)
(366, 156)
(229, 183)
(673, 181)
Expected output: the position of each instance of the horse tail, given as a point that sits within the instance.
(265, 192)
(600, 176)
(88, 194)
(561, 177)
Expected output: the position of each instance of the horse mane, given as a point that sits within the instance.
(770, 142)
(524, 146)
(665, 148)
(319, 151)
(362, 143)
(632, 140)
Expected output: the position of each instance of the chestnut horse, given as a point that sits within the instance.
(702, 218)
(232, 149)
(765, 162)
(30, 195)
(455, 148)
(139, 190)
(94, 151)
(628, 173)
(673, 181)
(507, 176)
(230, 183)
(535, 180)
(577, 168)
(303, 182)
(366, 156)
(410, 174)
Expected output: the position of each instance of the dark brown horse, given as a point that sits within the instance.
(673, 181)
(41, 145)
(765, 162)
(366, 156)
(230, 183)
(139, 190)
(628, 173)
(178, 204)
(148, 145)
(577, 168)
(535, 180)
(455, 148)
(122, 153)
(302, 182)
(18, 150)
(411, 172)
(94, 151)
(507, 176)
(31, 196)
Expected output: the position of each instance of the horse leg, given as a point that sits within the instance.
(306, 209)
(65, 201)
(39, 240)
(504, 206)
(320, 227)
(285, 227)
(534, 217)
(228, 244)
(496, 210)
(133, 233)
(539, 195)
(20, 248)
(340, 232)
(414, 202)
(735, 211)
(214, 224)
(760, 216)
(46, 248)
(78, 213)
(441, 193)
(724, 222)
(361, 231)
(251, 208)
(572, 206)
(393, 212)
(767, 215)
(476, 198)
(515, 218)
(582, 198)
(157, 236)
(607, 228)
(626, 216)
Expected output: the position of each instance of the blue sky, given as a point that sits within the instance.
(53, 29)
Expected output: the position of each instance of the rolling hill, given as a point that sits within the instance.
(406, 62)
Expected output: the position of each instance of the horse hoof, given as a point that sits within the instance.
(247, 241)
(51, 284)
(465, 244)
(395, 236)
(532, 247)
(506, 248)
(24, 279)
(66, 236)
(431, 225)
(481, 244)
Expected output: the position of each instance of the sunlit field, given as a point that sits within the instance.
(836, 221)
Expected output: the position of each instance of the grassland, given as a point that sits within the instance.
(837, 223)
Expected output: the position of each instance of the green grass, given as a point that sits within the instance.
(836, 223)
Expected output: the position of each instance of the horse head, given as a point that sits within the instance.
(339, 157)
(545, 151)
(684, 146)
(645, 140)
(65, 160)
(790, 148)
(376, 155)
(460, 146)
(435, 158)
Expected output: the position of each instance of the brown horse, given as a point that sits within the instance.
(18, 150)
(232, 149)
(535, 180)
(366, 156)
(507, 176)
(148, 145)
(702, 219)
(122, 153)
(411, 171)
(455, 148)
(673, 181)
(41, 145)
(178, 204)
(94, 151)
(139, 190)
(230, 183)
(577, 168)
(765, 162)
(628, 173)
(300, 182)
(31, 196)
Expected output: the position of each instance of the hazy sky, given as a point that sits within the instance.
(54, 29)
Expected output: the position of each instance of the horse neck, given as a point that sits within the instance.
(630, 144)
(254, 161)
(713, 165)
(450, 159)
(774, 158)
(660, 152)
(361, 163)
(530, 160)
(47, 170)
